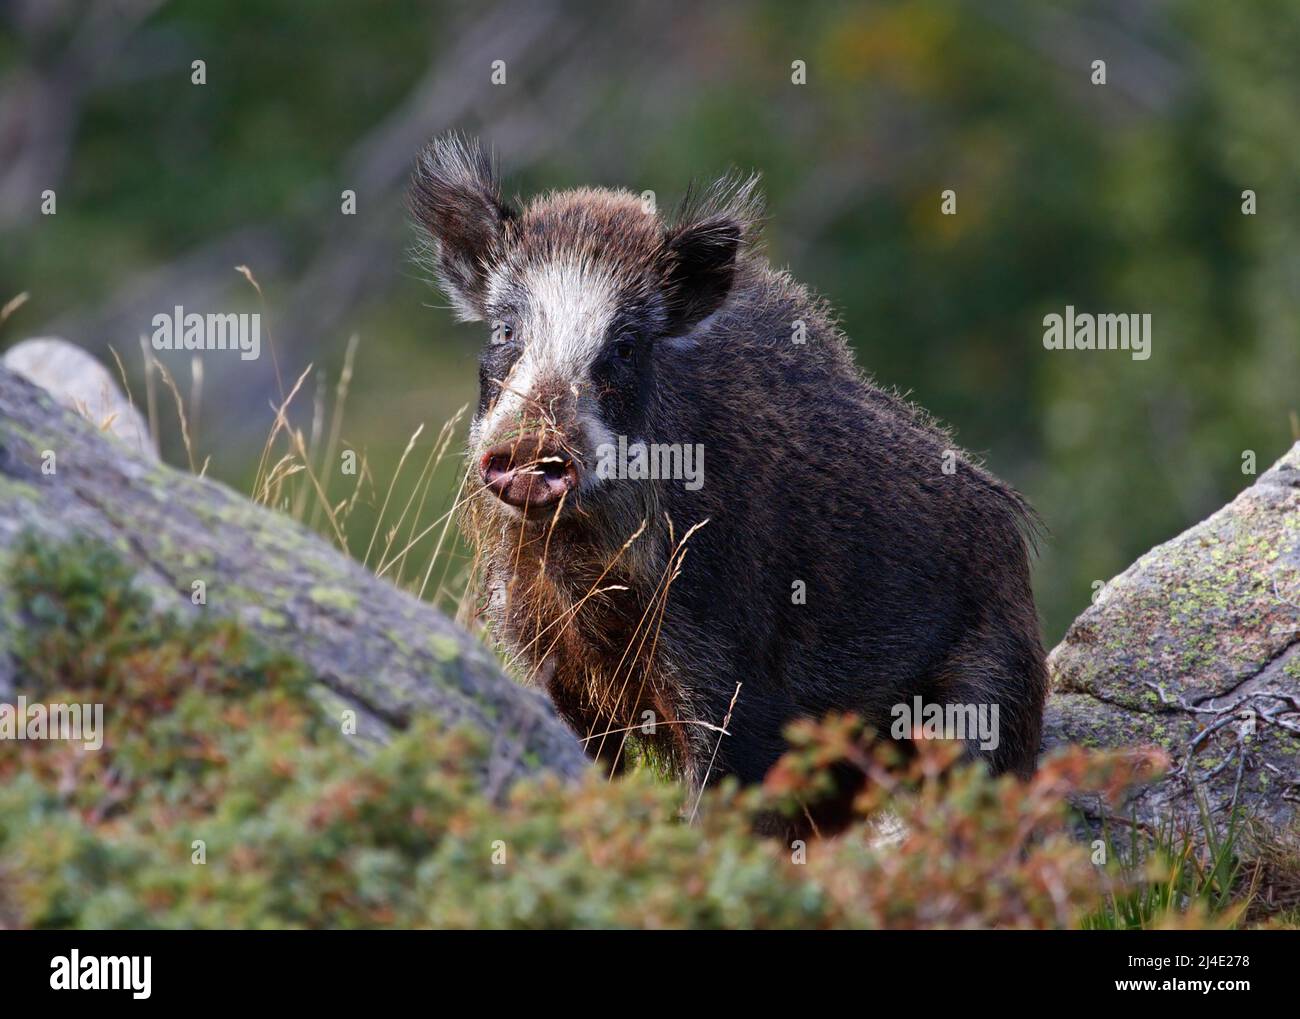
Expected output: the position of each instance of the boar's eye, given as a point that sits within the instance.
(624, 348)
(502, 332)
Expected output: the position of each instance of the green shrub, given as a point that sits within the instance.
(211, 737)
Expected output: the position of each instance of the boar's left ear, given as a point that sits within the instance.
(456, 198)
(702, 246)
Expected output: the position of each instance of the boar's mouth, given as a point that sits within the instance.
(529, 472)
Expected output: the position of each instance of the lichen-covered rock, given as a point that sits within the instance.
(372, 648)
(1196, 648)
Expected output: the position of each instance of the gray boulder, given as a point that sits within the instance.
(78, 381)
(373, 648)
(1196, 648)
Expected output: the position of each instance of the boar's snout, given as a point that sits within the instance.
(529, 472)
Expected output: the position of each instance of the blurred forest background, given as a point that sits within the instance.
(1117, 198)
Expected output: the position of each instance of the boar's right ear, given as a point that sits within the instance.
(703, 245)
(456, 198)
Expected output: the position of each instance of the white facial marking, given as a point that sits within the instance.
(598, 435)
(569, 308)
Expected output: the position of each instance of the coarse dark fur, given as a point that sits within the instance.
(917, 579)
